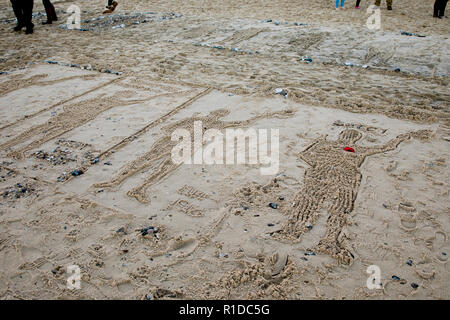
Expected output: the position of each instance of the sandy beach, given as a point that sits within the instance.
(87, 176)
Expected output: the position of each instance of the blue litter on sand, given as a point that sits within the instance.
(410, 34)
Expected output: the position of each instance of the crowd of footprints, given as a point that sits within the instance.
(331, 180)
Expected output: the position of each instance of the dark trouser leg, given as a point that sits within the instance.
(437, 5)
(358, 2)
(110, 2)
(28, 13)
(442, 8)
(50, 11)
(17, 8)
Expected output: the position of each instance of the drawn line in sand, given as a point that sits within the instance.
(73, 116)
(18, 82)
(143, 130)
(28, 116)
(160, 153)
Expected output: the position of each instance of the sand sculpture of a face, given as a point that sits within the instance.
(349, 136)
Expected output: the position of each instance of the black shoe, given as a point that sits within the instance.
(29, 31)
(47, 22)
(18, 27)
(389, 8)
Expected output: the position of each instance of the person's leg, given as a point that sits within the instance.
(28, 15)
(436, 8)
(337, 4)
(442, 9)
(342, 3)
(338, 211)
(50, 11)
(17, 8)
(357, 3)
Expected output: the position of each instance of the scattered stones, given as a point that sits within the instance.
(414, 285)
(121, 230)
(307, 60)
(219, 47)
(395, 278)
(409, 262)
(17, 191)
(148, 230)
(309, 253)
(273, 205)
(281, 92)
(56, 157)
(88, 67)
(270, 225)
(77, 172)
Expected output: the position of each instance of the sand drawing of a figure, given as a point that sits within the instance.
(331, 181)
(159, 155)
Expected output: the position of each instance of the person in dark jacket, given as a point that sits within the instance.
(23, 9)
(50, 11)
(439, 8)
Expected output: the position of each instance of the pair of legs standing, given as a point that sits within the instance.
(342, 3)
(23, 10)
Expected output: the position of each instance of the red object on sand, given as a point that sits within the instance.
(348, 149)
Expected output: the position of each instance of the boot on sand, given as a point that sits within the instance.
(29, 29)
(18, 27)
